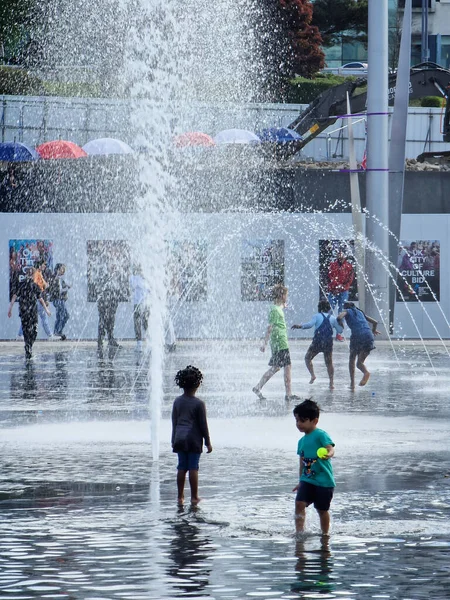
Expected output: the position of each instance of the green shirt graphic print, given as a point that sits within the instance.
(314, 469)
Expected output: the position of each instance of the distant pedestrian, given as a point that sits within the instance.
(277, 333)
(361, 340)
(324, 323)
(58, 290)
(109, 293)
(29, 295)
(40, 270)
(340, 278)
(316, 480)
(140, 291)
(189, 430)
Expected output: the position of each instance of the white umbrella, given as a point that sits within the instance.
(107, 146)
(236, 136)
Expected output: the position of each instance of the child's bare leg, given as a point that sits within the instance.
(362, 367)
(181, 478)
(287, 379)
(300, 516)
(351, 368)
(324, 516)
(193, 482)
(265, 378)
(330, 368)
(308, 362)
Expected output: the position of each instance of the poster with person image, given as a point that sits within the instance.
(108, 269)
(337, 268)
(25, 254)
(188, 270)
(262, 267)
(419, 271)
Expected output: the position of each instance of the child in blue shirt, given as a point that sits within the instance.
(324, 323)
(316, 484)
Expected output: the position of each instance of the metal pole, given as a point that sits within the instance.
(377, 179)
(397, 150)
(424, 53)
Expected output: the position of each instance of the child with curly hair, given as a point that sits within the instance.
(189, 429)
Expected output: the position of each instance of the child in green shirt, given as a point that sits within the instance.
(316, 484)
(277, 333)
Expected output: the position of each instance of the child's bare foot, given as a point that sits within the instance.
(313, 378)
(365, 379)
(180, 500)
(258, 393)
(352, 387)
(195, 500)
(331, 387)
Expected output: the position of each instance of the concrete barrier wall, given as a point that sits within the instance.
(223, 314)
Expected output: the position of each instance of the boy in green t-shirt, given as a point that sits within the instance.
(277, 332)
(316, 483)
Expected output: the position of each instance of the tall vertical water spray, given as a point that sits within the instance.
(178, 57)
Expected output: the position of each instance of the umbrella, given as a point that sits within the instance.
(17, 152)
(107, 146)
(236, 136)
(60, 149)
(194, 138)
(279, 134)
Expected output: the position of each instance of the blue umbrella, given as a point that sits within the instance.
(279, 134)
(17, 152)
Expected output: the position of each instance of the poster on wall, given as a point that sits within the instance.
(419, 266)
(188, 271)
(337, 268)
(262, 267)
(24, 254)
(108, 269)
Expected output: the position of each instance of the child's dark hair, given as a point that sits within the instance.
(323, 306)
(189, 378)
(307, 409)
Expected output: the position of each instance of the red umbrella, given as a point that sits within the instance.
(194, 138)
(60, 149)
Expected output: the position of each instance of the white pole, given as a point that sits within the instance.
(377, 186)
(357, 215)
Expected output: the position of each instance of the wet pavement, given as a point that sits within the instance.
(86, 514)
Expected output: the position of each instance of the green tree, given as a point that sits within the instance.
(290, 44)
(341, 20)
(15, 19)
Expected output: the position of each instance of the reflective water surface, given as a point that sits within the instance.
(85, 514)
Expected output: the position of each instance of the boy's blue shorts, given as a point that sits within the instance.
(317, 494)
(188, 461)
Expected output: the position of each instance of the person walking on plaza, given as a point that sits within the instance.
(361, 340)
(189, 430)
(140, 291)
(323, 323)
(340, 278)
(316, 479)
(107, 304)
(58, 290)
(38, 277)
(277, 333)
(30, 296)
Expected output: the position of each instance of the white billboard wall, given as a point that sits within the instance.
(219, 311)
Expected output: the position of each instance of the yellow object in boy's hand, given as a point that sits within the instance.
(322, 452)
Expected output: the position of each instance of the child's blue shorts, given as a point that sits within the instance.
(188, 461)
(317, 494)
